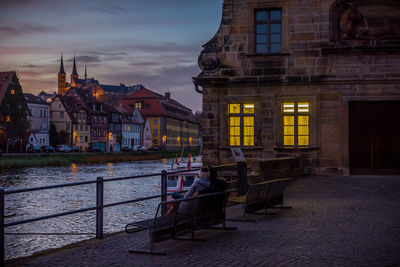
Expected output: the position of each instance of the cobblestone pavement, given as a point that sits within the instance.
(335, 221)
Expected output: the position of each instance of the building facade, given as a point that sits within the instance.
(60, 122)
(81, 128)
(131, 128)
(147, 135)
(172, 125)
(99, 122)
(114, 129)
(38, 119)
(317, 79)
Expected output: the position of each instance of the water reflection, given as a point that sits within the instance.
(110, 169)
(34, 204)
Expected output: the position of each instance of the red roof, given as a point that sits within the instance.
(5, 79)
(154, 104)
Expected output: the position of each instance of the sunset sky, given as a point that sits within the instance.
(154, 42)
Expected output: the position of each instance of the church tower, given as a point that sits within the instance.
(74, 74)
(62, 79)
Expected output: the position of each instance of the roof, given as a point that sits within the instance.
(32, 99)
(72, 106)
(74, 72)
(64, 101)
(62, 71)
(159, 105)
(82, 93)
(5, 79)
(86, 81)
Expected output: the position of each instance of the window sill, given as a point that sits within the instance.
(268, 55)
(289, 149)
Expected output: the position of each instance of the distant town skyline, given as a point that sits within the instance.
(155, 43)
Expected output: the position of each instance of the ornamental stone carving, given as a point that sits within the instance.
(209, 61)
(367, 20)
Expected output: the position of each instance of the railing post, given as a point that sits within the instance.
(242, 178)
(99, 205)
(2, 257)
(163, 191)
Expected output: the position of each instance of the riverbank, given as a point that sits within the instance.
(58, 159)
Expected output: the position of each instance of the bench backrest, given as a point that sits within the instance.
(265, 194)
(194, 206)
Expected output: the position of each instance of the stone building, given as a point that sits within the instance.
(316, 79)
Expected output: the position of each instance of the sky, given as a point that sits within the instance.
(152, 42)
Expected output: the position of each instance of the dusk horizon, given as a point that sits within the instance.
(119, 42)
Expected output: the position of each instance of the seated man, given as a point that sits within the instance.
(203, 184)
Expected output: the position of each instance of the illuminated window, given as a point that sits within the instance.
(13, 92)
(241, 124)
(138, 106)
(296, 117)
(8, 118)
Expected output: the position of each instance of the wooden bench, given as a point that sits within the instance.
(188, 215)
(264, 195)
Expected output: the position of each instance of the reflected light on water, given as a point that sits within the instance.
(110, 169)
(74, 168)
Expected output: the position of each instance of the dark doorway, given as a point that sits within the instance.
(374, 129)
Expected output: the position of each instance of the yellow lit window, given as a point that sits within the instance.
(234, 108)
(248, 108)
(295, 120)
(288, 130)
(138, 106)
(241, 124)
(234, 131)
(8, 118)
(303, 107)
(288, 107)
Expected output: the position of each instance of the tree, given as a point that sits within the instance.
(53, 135)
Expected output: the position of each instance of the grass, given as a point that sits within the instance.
(41, 160)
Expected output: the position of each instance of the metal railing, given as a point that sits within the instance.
(241, 174)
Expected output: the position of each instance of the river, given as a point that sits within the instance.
(79, 226)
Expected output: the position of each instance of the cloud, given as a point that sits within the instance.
(20, 4)
(145, 64)
(163, 48)
(26, 28)
(91, 59)
(106, 53)
(107, 9)
(28, 66)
